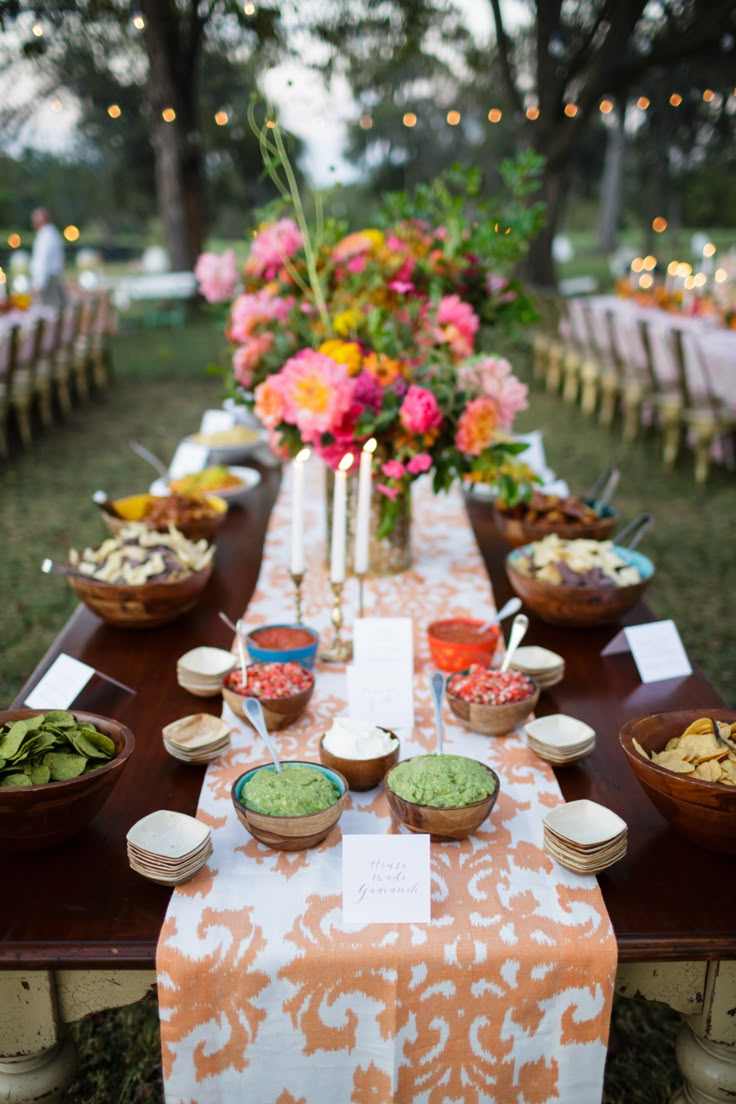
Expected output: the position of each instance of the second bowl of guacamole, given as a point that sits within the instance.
(448, 796)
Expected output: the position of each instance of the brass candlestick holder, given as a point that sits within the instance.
(361, 579)
(339, 651)
(297, 580)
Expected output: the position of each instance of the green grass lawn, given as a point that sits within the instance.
(158, 394)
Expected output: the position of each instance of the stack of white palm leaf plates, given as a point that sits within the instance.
(545, 667)
(559, 739)
(201, 670)
(168, 847)
(585, 837)
(197, 738)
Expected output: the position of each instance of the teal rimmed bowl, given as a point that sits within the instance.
(586, 606)
(290, 833)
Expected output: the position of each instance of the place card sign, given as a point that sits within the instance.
(71, 683)
(188, 458)
(657, 649)
(386, 879)
(380, 681)
(216, 421)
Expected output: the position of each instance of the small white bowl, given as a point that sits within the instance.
(584, 823)
(206, 664)
(534, 660)
(560, 731)
(168, 834)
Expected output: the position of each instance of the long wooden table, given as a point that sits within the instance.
(80, 928)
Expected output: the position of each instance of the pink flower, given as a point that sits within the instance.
(317, 392)
(456, 325)
(389, 492)
(277, 446)
(269, 405)
(401, 287)
(493, 377)
(216, 275)
(420, 463)
(254, 309)
(393, 469)
(419, 411)
(272, 246)
(476, 426)
(246, 358)
(357, 264)
(333, 454)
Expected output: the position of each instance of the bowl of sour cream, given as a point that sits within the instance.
(362, 752)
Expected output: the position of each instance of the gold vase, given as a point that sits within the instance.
(388, 556)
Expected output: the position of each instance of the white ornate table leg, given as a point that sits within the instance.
(705, 993)
(37, 1056)
(706, 1045)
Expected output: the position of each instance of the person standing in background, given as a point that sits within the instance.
(47, 261)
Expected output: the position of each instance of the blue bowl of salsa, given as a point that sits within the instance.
(283, 643)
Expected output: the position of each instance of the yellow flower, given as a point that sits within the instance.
(344, 352)
(347, 321)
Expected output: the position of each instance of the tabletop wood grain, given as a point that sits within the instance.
(80, 904)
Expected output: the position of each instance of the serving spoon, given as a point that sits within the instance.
(142, 451)
(53, 567)
(254, 713)
(518, 632)
(512, 606)
(106, 504)
(437, 686)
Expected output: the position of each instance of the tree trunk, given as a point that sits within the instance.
(172, 46)
(613, 168)
(540, 265)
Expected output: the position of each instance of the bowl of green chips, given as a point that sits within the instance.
(57, 770)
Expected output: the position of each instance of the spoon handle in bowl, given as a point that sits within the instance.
(254, 712)
(518, 632)
(437, 685)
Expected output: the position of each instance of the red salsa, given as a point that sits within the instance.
(281, 638)
(270, 680)
(482, 686)
(462, 630)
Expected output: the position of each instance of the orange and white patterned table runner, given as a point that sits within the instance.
(504, 997)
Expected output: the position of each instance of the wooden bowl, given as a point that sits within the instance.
(143, 606)
(133, 508)
(361, 774)
(517, 532)
(441, 824)
(493, 720)
(290, 833)
(277, 712)
(33, 818)
(704, 812)
(467, 647)
(580, 606)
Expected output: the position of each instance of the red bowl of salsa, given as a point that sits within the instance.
(285, 643)
(457, 642)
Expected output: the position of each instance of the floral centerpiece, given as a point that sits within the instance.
(343, 336)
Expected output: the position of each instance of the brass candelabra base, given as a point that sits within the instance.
(339, 651)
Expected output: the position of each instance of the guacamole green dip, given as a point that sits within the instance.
(298, 790)
(444, 781)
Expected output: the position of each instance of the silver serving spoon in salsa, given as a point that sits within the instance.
(254, 713)
(518, 632)
(512, 606)
(437, 686)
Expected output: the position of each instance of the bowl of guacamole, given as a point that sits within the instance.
(447, 796)
(291, 810)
